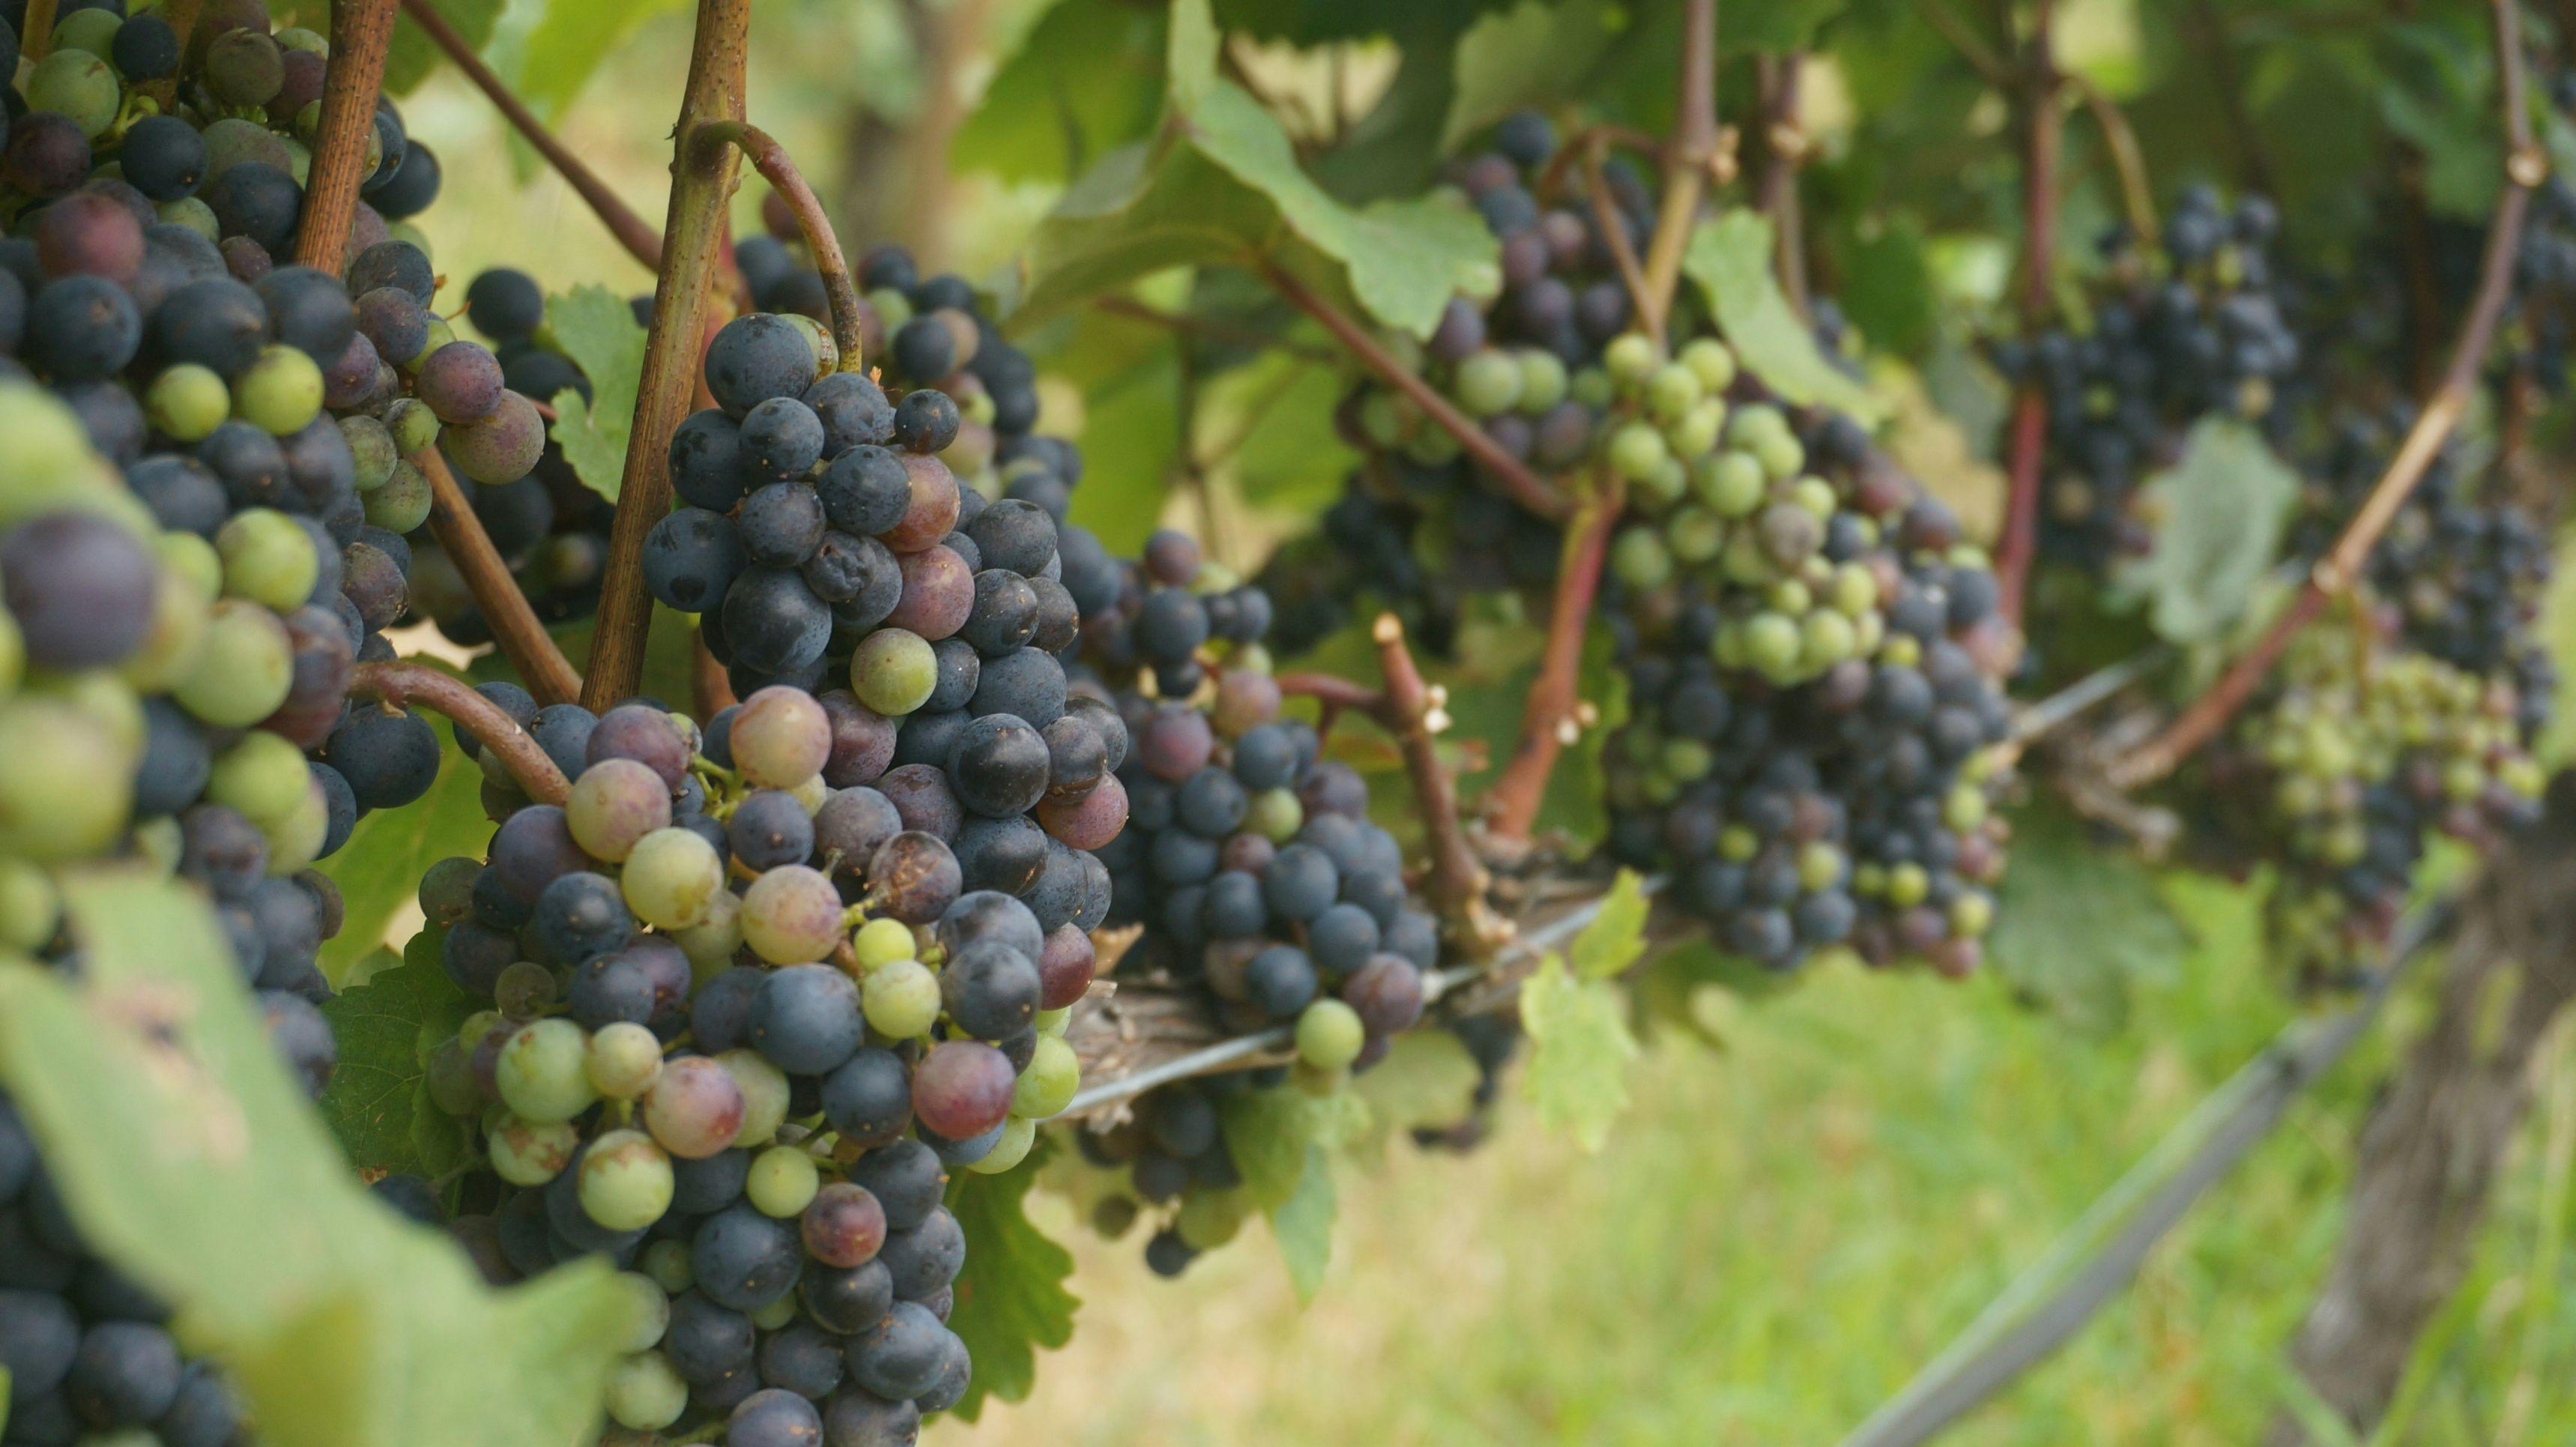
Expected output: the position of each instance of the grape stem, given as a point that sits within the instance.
(1614, 232)
(403, 684)
(1337, 696)
(710, 690)
(2128, 159)
(1689, 162)
(772, 161)
(2525, 167)
(360, 32)
(639, 239)
(2036, 113)
(39, 24)
(1526, 487)
(523, 640)
(693, 237)
(1785, 146)
(1552, 718)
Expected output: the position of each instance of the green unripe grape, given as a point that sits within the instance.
(1275, 815)
(1383, 420)
(1826, 638)
(1711, 360)
(1052, 1022)
(1753, 425)
(186, 401)
(625, 1181)
(1697, 430)
(1329, 1033)
(667, 1263)
(1815, 495)
(412, 425)
(1048, 1084)
(646, 1394)
(440, 334)
(1593, 388)
(1672, 392)
(477, 1025)
(1737, 843)
(372, 446)
(280, 392)
(1662, 487)
(1695, 534)
(531, 1153)
(710, 943)
(1210, 1219)
(900, 999)
(1732, 483)
(78, 86)
(1854, 590)
(1686, 760)
(764, 1095)
(13, 655)
(625, 1060)
(1432, 447)
(1971, 914)
(671, 881)
(648, 1313)
(1819, 865)
(401, 504)
(1965, 808)
(782, 1182)
(1907, 885)
(1019, 1133)
(1869, 630)
(777, 1314)
(1869, 880)
(1637, 449)
(1783, 457)
(543, 1072)
(263, 776)
(1901, 651)
(1639, 559)
(296, 37)
(893, 672)
(1791, 597)
(1488, 383)
(268, 558)
(882, 942)
(1744, 562)
(1630, 358)
(193, 214)
(1771, 644)
(169, 649)
(1543, 379)
(90, 30)
(31, 909)
(244, 666)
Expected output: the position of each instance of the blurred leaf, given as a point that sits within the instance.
(1580, 1047)
(378, 1102)
(194, 1163)
(2079, 922)
(1426, 1080)
(570, 39)
(2220, 512)
(1617, 934)
(1220, 183)
(1081, 82)
(1011, 1297)
(598, 331)
(1535, 53)
(410, 57)
(1268, 1132)
(1730, 259)
(1303, 1225)
(1269, 427)
(378, 870)
(2433, 94)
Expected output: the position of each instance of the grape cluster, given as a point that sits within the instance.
(2200, 327)
(1250, 862)
(1827, 777)
(748, 1008)
(1407, 539)
(89, 1354)
(2362, 753)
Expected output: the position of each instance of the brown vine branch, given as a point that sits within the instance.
(39, 21)
(1526, 487)
(1687, 163)
(639, 239)
(1416, 714)
(1551, 179)
(2037, 110)
(772, 161)
(400, 684)
(523, 640)
(2525, 168)
(2128, 159)
(710, 690)
(360, 32)
(1785, 145)
(1614, 227)
(1551, 720)
(702, 178)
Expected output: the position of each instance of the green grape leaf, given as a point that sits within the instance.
(1268, 1132)
(378, 1101)
(1081, 82)
(563, 50)
(1303, 1225)
(192, 1160)
(1426, 1080)
(2080, 922)
(2221, 509)
(378, 870)
(1580, 1047)
(1011, 1296)
(1730, 260)
(1531, 54)
(410, 56)
(598, 331)
(1617, 935)
(1219, 182)
(1267, 427)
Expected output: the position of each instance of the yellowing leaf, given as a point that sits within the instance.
(1580, 1047)
(1617, 934)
